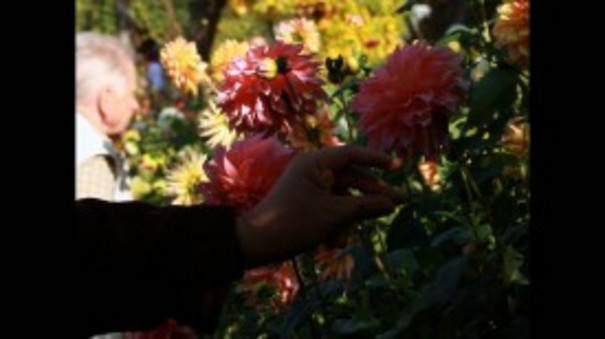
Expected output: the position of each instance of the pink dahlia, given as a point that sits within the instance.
(244, 174)
(406, 104)
(270, 89)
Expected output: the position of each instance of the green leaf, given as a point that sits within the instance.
(402, 259)
(353, 326)
(350, 84)
(513, 261)
(504, 210)
(298, 314)
(364, 264)
(443, 42)
(429, 259)
(406, 231)
(460, 235)
(444, 286)
(395, 332)
(496, 90)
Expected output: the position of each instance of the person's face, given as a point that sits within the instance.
(118, 104)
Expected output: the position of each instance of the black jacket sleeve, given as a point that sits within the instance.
(137, 265)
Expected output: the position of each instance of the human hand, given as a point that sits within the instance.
(310, 202)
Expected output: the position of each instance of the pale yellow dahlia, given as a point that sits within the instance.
(299, 31)
(222, 56)
(214, 126)
(184, 179)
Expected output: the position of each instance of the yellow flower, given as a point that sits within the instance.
(150, 163)
(454, 46)
(223, 55)
(355, 30)
(240, 7)
(184, 179)
(272, 9)
(139, 188)
(132, 135)
(299, 31)
(511, 31)
(159, 186)
(183, 64)
(214, 126)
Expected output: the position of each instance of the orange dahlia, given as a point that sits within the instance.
(183, 64)
(406, 104)
(270, 89)
(430, 174)
(337, 265)
(516, 137)
(511, 31)
(282, 278)
(317, 131)
(244, 174)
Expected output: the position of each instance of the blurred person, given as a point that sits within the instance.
(154, 73)
(105, 103)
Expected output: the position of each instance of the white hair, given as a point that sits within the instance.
(101, 60)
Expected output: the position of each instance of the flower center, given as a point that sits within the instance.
(269, 68)
(282, 65)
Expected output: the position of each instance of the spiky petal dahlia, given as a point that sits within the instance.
(338, 265)
(243, 175)
(183, 64)
(185, 178)
(282, 278)
(299, 31)
(214, 127)
(511, 31)
(222, 56)
(406, 104)
(317, 131)
(270, 89)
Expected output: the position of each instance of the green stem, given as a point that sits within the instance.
(471, 180)
(347, 116)
(465, 179)
(485, 25)
(303, 290)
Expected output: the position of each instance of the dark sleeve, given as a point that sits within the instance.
(138, 265)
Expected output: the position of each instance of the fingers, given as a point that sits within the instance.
(344, 156)
(364, 207)
(368, 184)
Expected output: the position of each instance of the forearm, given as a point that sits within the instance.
(142, 264)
